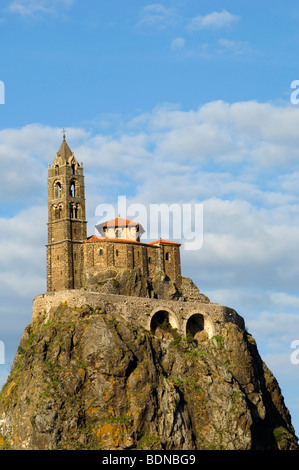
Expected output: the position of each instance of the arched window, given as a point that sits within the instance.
(73, 168)
(72, 189)
(74, 211)
(57, 189)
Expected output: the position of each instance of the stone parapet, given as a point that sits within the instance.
(140, 310)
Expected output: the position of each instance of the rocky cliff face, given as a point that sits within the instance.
(87, 379)
(131, 282)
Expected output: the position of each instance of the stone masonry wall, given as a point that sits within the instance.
(111, 254)
(140, 310)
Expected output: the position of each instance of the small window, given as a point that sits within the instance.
(72, 189)
(116, 252)
(57, 189)
(167, 256)
(100, 251)
(73, 168)
(149, 260)
(57, 256)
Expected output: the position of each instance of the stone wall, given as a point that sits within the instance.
(140, 310)
(102, 254)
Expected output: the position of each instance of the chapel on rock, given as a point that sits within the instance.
(71, 254)
(115, 272)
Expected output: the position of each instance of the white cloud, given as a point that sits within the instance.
(214, 20)
(24, 155)
(22, 258)
(225, 147)
(156, 15)
(32, 7)
(279, 329)
(178, 44)
(284, 300)
(261, 132)
(235, 47)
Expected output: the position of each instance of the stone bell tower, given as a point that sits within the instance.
(66, 221)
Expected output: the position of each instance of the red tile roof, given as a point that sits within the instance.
(164, 242)
(120, 222)
(94, 238)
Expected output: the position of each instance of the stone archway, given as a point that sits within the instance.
(163, 321)
(199, 327)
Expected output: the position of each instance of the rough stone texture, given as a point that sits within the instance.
(140, 310)
(102, 254)
(132, 282)
(84, 378)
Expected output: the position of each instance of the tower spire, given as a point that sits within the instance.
(64, 154)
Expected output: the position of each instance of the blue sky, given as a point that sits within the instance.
(164, 102)
(65, 58)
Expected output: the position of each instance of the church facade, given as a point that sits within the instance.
(71, 254)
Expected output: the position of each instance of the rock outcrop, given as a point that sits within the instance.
(87, 379)
(131, 282)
